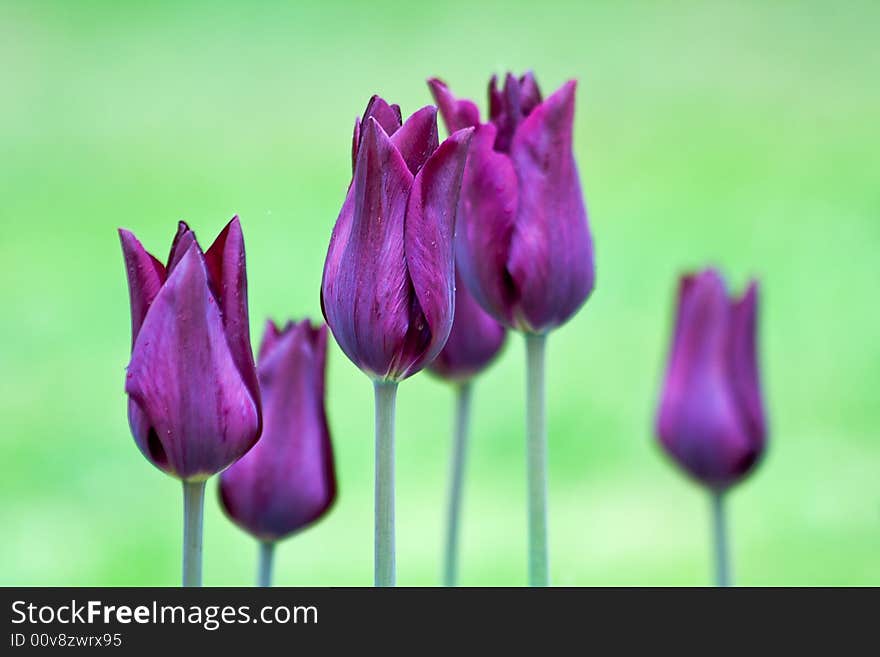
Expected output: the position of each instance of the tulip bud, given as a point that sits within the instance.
(388, 287)
(523, 245)
(286, 481)
(193, 398)
(711, 416)
(474, 341)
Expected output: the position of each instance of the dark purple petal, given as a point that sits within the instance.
(287, 480)
(183, 239)
(551, 252)
(388, 116)
(496, 100)
(743, 365)
(485, 223)
(529, 93)
(457, 114)
(366, 294)
(698, 420)
(225, 262)
(355, 142)
(428, 241)
(474, 341)
(191, 406)
(507, 112)
(417, 138)
(145, 277)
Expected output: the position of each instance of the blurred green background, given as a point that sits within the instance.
(744, 134)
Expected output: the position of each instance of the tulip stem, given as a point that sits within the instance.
(536, 459)
(193, 512)
(384, 567)
(719, 533)
(267, 557)
(459, 451)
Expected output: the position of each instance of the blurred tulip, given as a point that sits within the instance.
(388, 286)
(711, 417)
(523, 245)
(286, 481)
(193, 397)
(475, 339)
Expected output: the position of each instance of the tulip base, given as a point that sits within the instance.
(459, 452)
(193, 512)
(384, 564)
(536, 459)
(719, 535)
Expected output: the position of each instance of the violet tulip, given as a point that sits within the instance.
(475, 340)
(523, 244)
(286, 482)
(193, 398)
(711, 416)
(388, 286)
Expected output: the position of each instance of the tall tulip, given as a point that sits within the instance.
(388, 287)
(193, 397)
(475, 340)
(711, 418)
(286, 482)
(523, 245)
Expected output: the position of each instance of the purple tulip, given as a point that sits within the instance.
(475, 339)
(388, 286)
(193, 398)
(286, 481)
(711, 415)
(523, 246)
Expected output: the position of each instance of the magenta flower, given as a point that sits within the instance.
(193, 399)
(286, 481)
(711, 415)
(523, 246)
(388, 286)
(475, 339)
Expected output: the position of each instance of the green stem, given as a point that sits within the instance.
(719, 534)
(459, 450)
(536, 459)
(264, 572)
(386, 394)
(193, 511)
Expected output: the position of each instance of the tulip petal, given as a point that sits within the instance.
(145, 277)
(355, 142)
(496, 100)
(184, 380)
(388, 116)
(183, 239)
(743, 366)
(287, 480)
(417, 138)
(428, 235)
(551, 254)
(225, 262)
(457, 113)
(529, 93)
(366, 291)
(485, 224)
(270, 338)
(473, 342)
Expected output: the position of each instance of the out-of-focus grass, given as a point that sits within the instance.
(744, 135)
